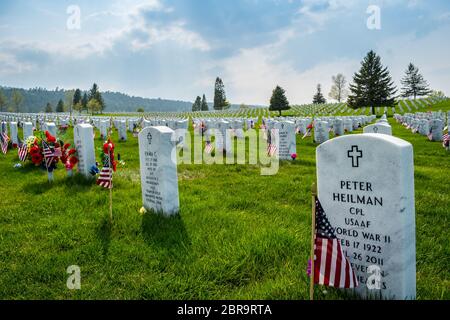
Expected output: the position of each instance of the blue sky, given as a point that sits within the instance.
(176, 48)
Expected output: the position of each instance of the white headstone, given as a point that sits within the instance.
(287, 140)
(366, 188)
(51, 128)
(159, 179)
(27, 130)
(14, 133)
(321, 132)
(379, 127)
(122, 128)
(84, 143)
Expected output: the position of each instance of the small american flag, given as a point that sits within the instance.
(445, 140)
(49, 156)
(331, 267)
(271, 149)
(208, 147)
(4, 139)
(23, 152)
(307, 134)
(105, 178)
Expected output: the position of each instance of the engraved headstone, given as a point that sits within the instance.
(369, 201)
(159, 179)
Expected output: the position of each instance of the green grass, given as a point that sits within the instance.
(239, 235)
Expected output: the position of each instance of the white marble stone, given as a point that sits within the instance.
(379, 127)
(321, 132)
(366, 187)
(51, 128)
(27, 130)
(122, 129)
(286, 142)
(159, 180)
(84, 143)
(13, 131)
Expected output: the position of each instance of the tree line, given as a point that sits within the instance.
(372, 87)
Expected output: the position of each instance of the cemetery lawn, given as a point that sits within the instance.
(239, 235)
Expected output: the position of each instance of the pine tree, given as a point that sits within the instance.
(372, 86)
(77, 97)
(204, 104)
(60, 106)
(94, 93)
(278, 101)
(338, 91)
(414, 85)
(84, 102)
(49, 108)
(197, 106)
(318, 97)
(220, 99)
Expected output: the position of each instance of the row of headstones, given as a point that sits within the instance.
(372, 214)
(28, 129)
(426, 124)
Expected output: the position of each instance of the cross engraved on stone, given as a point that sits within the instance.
(149, 138)
(355, 154)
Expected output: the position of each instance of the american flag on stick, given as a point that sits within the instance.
(23, 152)
(271, 149)
(331, 267)
(445, 140)
(105, 178)
(208, 147)
(49, 156)
(4, 139)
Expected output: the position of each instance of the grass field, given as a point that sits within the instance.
(239, 235)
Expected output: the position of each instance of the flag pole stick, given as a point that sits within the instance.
(110, 187)
(313, 234)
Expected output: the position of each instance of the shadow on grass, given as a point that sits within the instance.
(76, 184)
(168, 233)
(104, 235)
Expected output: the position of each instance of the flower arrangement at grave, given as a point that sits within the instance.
(69, 158)
(56, 151)
(293, 156)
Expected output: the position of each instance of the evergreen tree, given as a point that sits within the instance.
(77, 97)
(197, 106)
(372, 86)
(204, 104)
(338, 91)
(60, 106)
(278, 101)
(49, 108)
(3, 100)
(84, 102)
(220, 99)
(318, 97)
(414, 84)
(94, 93)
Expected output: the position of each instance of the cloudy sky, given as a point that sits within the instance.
(176, 48)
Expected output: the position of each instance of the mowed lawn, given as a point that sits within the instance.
(239, 235)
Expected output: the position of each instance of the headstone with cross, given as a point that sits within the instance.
(366, 187)
(379, 127)
(158, 165)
